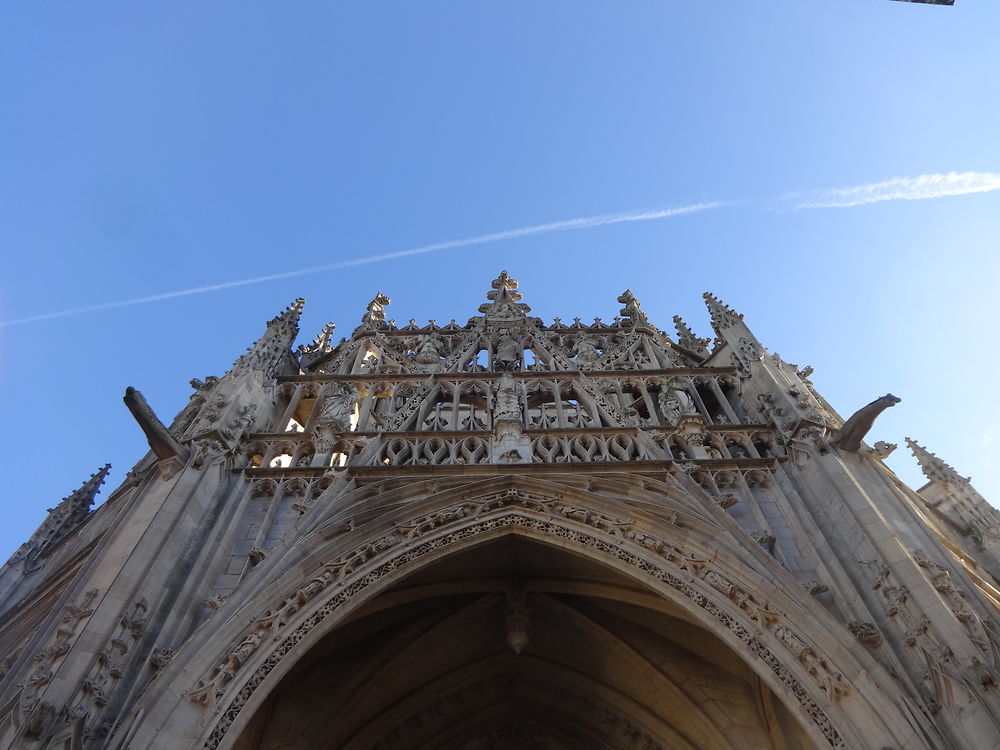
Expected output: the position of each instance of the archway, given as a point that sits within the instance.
(603, 663)
(685, 560)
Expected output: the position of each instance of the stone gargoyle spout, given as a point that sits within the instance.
(849, 436)
(164, 444)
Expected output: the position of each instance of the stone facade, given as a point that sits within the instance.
(507, 534)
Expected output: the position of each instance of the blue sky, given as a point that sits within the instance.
(151, 148)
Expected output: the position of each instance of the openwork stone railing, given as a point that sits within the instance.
(300, 451)
(433, 451)
(551, 448)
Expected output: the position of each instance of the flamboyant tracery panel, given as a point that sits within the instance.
(505, 388)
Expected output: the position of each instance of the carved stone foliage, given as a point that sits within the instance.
(37, 715)
(932, 659)
(97, 687)
(955, 599)
(691, 342)
(767, 636)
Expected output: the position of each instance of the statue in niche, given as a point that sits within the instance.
(338, 409)
(508, 352)
(428, 350)
(506, 403)
(675, 401)
(682, 396)
(245, 421)
(586, 350)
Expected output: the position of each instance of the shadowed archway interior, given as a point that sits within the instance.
(517, 644)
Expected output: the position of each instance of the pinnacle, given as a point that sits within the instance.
(504, 299)
(683, 329)
(374, 316)
(96, 479)
(325, 334)
(714, 303)
(932, 466)
(83, 497)
(291, 314)
(322, 341)
(723, 316)
(504, 280)
(687, 338)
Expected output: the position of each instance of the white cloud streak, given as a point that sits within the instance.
(898, 189)
(509, 234)
(922, 187)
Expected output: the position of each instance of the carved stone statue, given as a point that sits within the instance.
(675, 401)
(586, 350)
(508, 352)
(338, 409)
(506, 401)
(427, 351)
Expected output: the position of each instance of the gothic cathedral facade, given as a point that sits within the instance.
(507, 534)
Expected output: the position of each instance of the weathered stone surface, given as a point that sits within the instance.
(507, 534)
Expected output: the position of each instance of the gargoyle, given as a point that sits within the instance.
(164, 444)
(849, 436)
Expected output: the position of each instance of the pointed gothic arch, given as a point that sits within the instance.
(827, 687)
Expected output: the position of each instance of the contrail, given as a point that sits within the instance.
(509, 234)
(898, 188)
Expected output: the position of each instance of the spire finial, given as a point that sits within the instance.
(933, 467)
(61, 520)
(322, 341)
(268, 352)
(631, 311)
(687, 339)
(374, 316)
(310, 354)
(76, 505)
(289, 317)
(504, 299)
(723, 316)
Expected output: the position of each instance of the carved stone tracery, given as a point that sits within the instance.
(746, 619)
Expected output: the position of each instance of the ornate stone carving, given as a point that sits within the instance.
(395, 417)
(723, 317)
(515, 508)
(61, 520)
(882, 449)
(338, 407)
(374, 316)
(849, 436)
(505, 301)
(516, 622)
(866, 632)
(631, 312)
